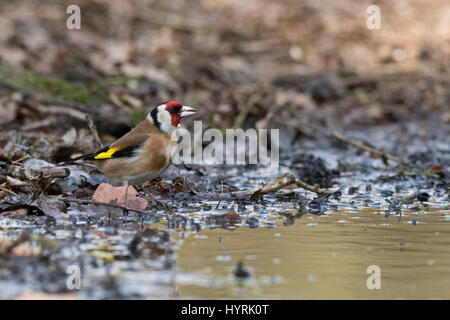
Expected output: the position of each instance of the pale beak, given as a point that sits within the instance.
(186, 111)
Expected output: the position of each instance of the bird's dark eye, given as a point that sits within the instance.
(174, 109)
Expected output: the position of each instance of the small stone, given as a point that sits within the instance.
(252, 223)
(240, 271)
(352, 190)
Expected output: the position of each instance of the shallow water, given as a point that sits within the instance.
(324, 257)
(379, 215)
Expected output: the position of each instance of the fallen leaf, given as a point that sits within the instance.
(179, 188)
(25, 250)
(436, 168)
(53, 208)
(20, 213)
(225, 220)
(256, 195)
(106, 193)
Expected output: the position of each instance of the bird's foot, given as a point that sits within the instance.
(151, 196)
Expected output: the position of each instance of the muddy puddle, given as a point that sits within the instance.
(314, 257)
(200, 242)
(323, 257)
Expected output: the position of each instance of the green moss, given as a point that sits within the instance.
(89, 93)
(86, 93)
(116, 80)
(136, 116)
(76, 92)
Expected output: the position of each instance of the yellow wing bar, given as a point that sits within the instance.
(107, 154)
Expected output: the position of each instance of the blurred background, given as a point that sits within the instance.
(243, 64)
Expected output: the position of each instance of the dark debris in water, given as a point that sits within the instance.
(252, 223)
(225, 220)
(386, 193)
(313, 171)
(240, 271)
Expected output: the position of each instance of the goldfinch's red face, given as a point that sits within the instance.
(167, 116)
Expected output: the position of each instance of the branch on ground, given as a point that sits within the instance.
(97, 203)
(363, 147)
(26, 173)
(286, 180)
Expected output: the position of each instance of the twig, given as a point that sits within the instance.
(273, 187)
(25, 173)
(309, 187)
(38, 124)
(287, 179)
(152, 198)
(14, 182)
(361, 146)
(9, 191)
(53, 172)
(18, 161)
(196, 171)
(93, 130)
(74, 113)
(83, 201)
(283, 182)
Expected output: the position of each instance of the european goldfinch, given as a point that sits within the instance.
(146, 151)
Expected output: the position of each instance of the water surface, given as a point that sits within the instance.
(323, 257)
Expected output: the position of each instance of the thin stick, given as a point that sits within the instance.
(82, 201)
(25, 173)
(283, 182)
(38, 124)
(93, 130)
(361, 146)
(309, 187)
(287, 180)
(9, 191)
(19, 161)
(152, 198)
(74, 113)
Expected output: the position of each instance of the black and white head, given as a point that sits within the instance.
(167, 116)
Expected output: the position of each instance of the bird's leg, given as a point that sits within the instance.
(126, 195)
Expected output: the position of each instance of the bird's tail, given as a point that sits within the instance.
(75, 160)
